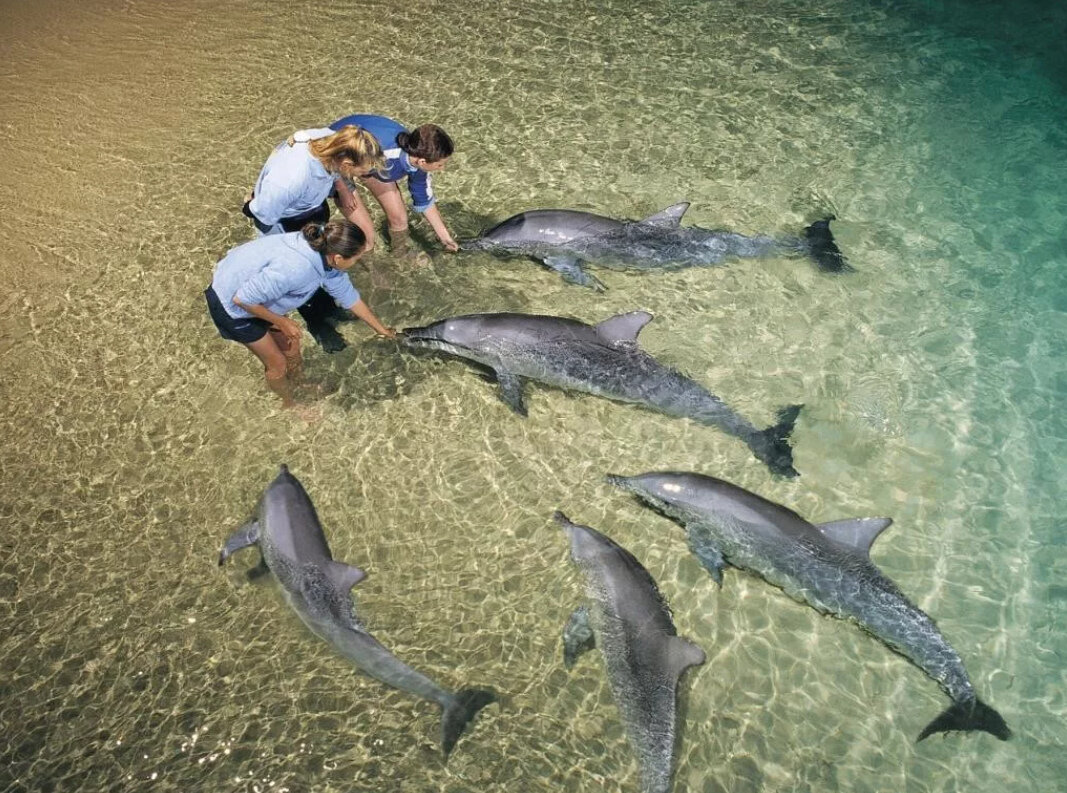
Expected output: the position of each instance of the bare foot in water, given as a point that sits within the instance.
(315, 391)
(309, 414)
(379, 278)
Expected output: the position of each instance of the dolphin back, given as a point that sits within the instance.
(549, 227)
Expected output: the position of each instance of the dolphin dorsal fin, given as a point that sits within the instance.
(856, 533)
(669, 217)
(344, 576)
(684, 654)
(623, 327)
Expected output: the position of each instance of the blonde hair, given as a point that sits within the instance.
(349, 143)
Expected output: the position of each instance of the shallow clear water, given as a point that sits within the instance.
(135, 440)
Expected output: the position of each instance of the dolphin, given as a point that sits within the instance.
(643, 654)
(827, 566)
(603, 360)
(293, 547)
(562, 239)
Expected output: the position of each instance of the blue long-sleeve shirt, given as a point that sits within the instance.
(280, 272)
(293, 180)
(398, 164)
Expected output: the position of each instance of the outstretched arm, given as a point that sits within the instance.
(440, 229)
(362, 311)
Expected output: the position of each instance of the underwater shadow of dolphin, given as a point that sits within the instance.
(293, 547)
(644, 657)
(604, 360)
(562, 239)
(826, 566)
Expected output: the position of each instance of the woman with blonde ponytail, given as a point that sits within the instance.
(292, 188)
(256, 284)
(413, 155)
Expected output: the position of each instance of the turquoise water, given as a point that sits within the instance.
(135, 440)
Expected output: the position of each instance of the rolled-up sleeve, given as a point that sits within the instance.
(339, 286)
(421, 188)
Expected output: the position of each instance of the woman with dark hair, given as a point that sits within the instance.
(256, 284)
(415, 155)
(291, 191)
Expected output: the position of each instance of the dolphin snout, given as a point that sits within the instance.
(562, 520)
(415, 334)
(619, 481)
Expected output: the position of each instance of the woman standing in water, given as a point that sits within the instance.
(414, 155)
(292, 188)
(256, 284)
(302, 172)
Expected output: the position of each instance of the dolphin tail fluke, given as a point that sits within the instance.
(772, 444)
(459, 712)
(968, 717)
(823, 249)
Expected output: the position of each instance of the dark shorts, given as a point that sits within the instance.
(243, 330)
(321, 214)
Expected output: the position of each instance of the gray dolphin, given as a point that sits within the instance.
(293, 547)
(603, 360)
(564, 238)
(827, 566)
(643, 654)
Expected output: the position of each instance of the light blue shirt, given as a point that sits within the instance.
(280, 272)
(292, 181)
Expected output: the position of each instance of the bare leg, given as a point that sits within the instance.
(388, 195)
(275, 367)
(294, 363)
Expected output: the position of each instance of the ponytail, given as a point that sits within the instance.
(349, 143)
(428, 142)
(340, 237)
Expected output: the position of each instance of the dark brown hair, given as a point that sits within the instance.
(428, 142)
(340, 237)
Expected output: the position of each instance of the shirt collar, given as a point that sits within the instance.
(314, 257)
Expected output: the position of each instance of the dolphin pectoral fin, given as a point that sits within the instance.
(709, 556)
(246, 535)
(577, 636)
(856, 533)
(570, 270)
(345, 576)
(511, 392)
(670, 217)
(684, 654)
(623, 327)
(257, 572)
